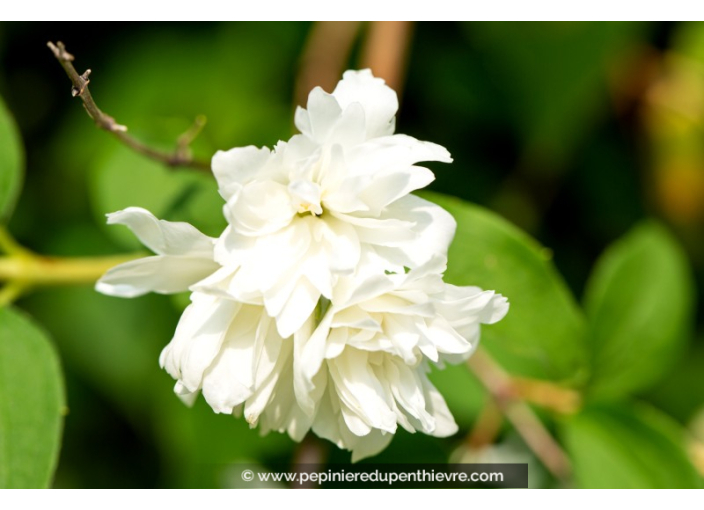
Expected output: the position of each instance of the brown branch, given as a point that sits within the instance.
(310, 457)
(547, 395)
(486, 427)
(386, 51)
(531, 429)
(325, 56)
(181, 157)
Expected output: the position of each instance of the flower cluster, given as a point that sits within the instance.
(322, 305)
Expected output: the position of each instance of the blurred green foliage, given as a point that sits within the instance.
(628, 447)
(639, 303)
(543, 337)
(545, 130)
(10, 161)
(31, 403)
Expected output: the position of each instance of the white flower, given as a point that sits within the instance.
(376, 344)
(330, 199)
(183, 257)
(322, 305)
(232, 352)
(353, 380)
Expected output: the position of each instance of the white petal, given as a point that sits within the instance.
(327, 422)
(349, 129)
(264, 269)
(164, 237)
(400, 331)
(309, 354)
(355, 317)
(388, 188)
(465, 305)
(278, 354)
(187, 397)
(446, 339)
(407, 389)
(323, 111)
(260, 208)
(337, 340)
(162, 274)
(433, 227)
(444, 422)
(378, 100)
(388, 231)
(238, 166)
(342, 245)
(298, 308)
(283, 412)
(306, 196)
(198, 338)
(229, 380)
(394, 154)
(360, 391)
(366, 289)
(370, 445)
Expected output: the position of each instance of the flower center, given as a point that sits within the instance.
(305, 197)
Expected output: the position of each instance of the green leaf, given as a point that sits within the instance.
(542, 335)
(639, 302)
(31, 403)
(11, 163)
(627, 447)
(562, 70)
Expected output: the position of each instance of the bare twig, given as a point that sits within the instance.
(531, 429)
(181, 157)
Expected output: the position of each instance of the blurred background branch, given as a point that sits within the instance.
(325, 55)
(386, 50)
(507, 397)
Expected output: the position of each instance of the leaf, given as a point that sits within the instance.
(542, 335)
(11, 163)
(639, 302)
(31, 403)
(554, 76)
(627, 447)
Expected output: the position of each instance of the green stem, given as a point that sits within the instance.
(10, 292)
(31, 270)
(9, 245)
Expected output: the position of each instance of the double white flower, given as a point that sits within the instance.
(322, 304)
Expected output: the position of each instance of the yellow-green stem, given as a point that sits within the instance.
(32, 270)
(9, 245)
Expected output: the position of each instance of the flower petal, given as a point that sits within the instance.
(238, 166)
(164, 237)
(380, 102)
(162, 274)
(322, 112)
